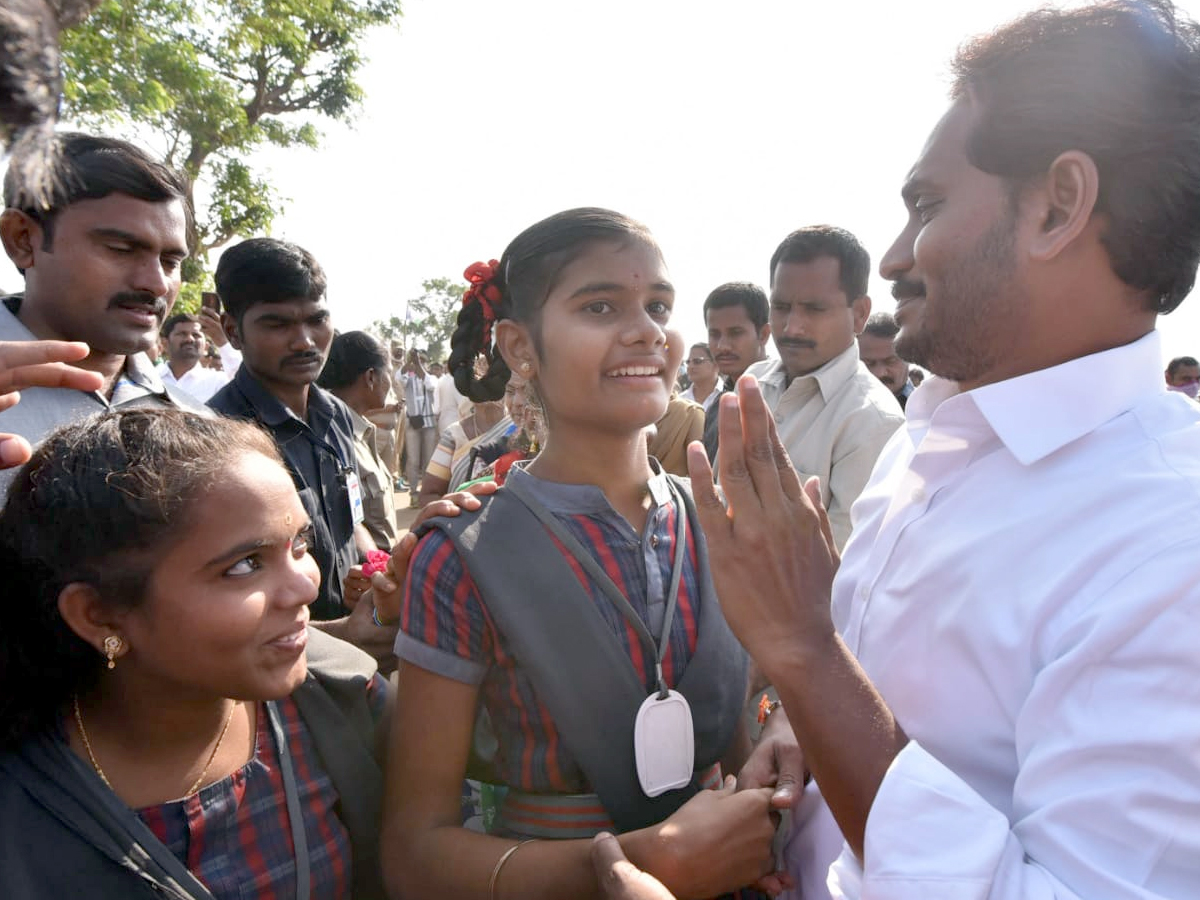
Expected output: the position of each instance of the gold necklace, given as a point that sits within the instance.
(87, 745)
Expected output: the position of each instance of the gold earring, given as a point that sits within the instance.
(112, 646)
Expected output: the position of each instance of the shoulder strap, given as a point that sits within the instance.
(582, 673)
(333, 703)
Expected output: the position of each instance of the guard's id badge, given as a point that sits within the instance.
(355, 493)
(664, 744)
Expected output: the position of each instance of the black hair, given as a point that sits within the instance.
(807, 244)
(1178, 362)
(351, 354)
(169, 325)
(266, 270)
(98, 503)
(1119, 81)
(749, 296)
(525, 276)
(89, 167)
(881, 324)
(703, 345)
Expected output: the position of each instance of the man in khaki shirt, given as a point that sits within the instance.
(833, 415)
(358, 374)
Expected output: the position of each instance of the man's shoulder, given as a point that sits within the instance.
(229, 401)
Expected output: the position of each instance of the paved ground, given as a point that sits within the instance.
(404, 515)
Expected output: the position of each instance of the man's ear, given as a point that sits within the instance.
(861, 310)
(764, 334)
(22, 236)
(515, 344)
(1062, 203)
(230, 326)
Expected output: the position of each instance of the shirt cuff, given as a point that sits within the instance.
(439, 662)
(929, 836)
(230, 359)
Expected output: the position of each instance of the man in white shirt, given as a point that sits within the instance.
(185, 347)
(998, 693)
(834, 416)
(449, 400)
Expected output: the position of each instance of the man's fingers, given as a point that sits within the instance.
(14, 354)
(759, 449)
(50, 375)
(812, 490)
(709, 507)
(14, 451)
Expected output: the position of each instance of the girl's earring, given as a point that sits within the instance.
(525, 367)
(112, 646)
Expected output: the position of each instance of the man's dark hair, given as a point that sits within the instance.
(88, 167)
(1178, 362)
(169, 325)
(1119, 81)
(266, 270)
(881, 324)
(740, 293)
(807, 244)
(350, 355)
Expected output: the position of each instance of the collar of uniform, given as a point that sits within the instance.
(583, 499)
(272, 412)
(363, 428)
(140, 371)
(829, 378)
(1036, 414)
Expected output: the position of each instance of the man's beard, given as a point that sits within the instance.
(955, 337)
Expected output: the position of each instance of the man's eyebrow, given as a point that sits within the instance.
(913, 188)
(118, 234)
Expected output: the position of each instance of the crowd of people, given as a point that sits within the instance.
(671, 621)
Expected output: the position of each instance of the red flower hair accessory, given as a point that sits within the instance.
(483, 290)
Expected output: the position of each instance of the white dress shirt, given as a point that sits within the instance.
(1023, 588)
(200, 382)
(834, 422)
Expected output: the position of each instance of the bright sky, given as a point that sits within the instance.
(722, 126)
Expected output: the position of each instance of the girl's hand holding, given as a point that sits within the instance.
(715, 843)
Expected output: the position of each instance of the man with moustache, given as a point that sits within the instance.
(877, 350)
(996, 690)
(273, 297)
(833, 415)
(184, 367)
(101, 262)
(735, 314)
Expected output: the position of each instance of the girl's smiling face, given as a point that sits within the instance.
(606, 360)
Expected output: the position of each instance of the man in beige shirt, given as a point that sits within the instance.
(833, 415)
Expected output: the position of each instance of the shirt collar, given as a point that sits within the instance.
(362, 426)
(583, 499)
(1036, 414)
(272, 412)
(829, 378)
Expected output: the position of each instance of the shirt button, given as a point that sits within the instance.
(864, 592)
(918, 495)
(654, 541)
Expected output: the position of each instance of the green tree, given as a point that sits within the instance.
(431, 318)
(214, 80)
